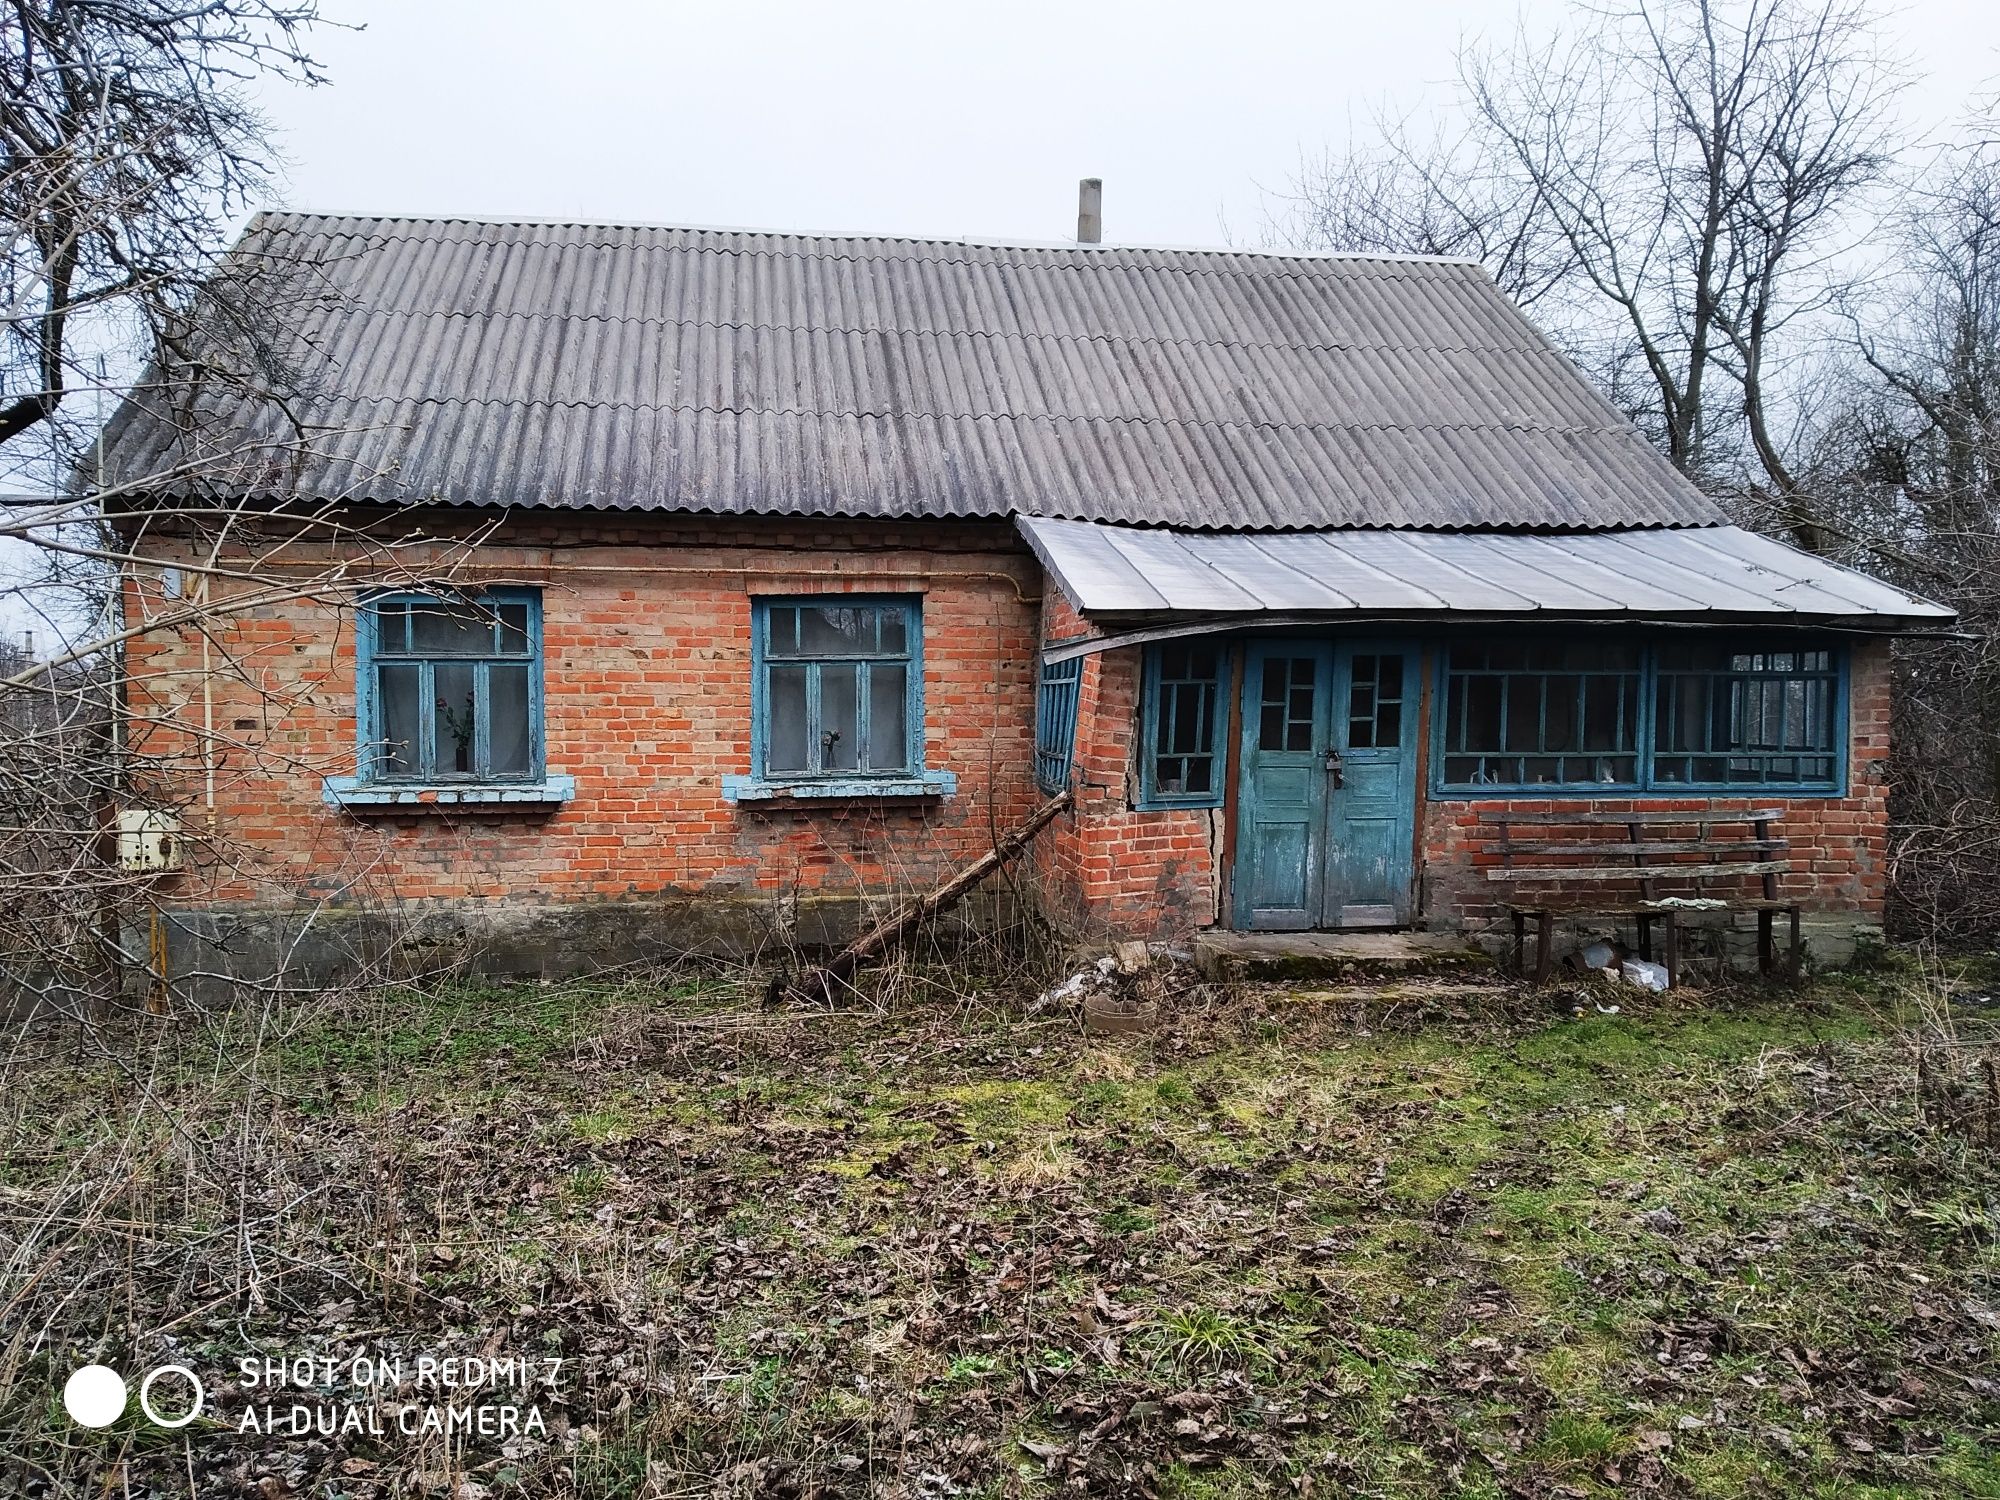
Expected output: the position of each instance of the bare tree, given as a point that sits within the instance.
(1433, 188)
(1909, 461)
(1673, 183)
(127, 144)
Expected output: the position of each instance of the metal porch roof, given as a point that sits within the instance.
(1709, 573)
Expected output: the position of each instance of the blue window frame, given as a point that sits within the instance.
(1182, 714)
(1699, 713)
(1748, 714)
(837, 690)
(450, 688)
(1055, 722)
(1524, 712)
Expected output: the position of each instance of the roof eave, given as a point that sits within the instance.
(1132, 628)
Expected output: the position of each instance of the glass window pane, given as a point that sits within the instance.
(392, 628)
(456, 724)
(1272, 696)
(1559, 725)
(1192, 718)
(442, 628)
(1524, 713)
(838, 630)
(781, 631)
(895, 639)
(1482, 714)
(396, 690)
(785, 726)
(1301, 708)
(839, 719)
(511, 749)
(888, 718)
(1389, 725)
(513, 628)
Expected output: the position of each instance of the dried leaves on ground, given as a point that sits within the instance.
(1416, 1241)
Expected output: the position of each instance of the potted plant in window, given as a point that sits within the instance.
(459, 725)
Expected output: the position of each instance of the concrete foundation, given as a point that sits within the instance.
(222, 952)
(216, 953)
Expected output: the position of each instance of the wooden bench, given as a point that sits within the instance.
(1643, 849)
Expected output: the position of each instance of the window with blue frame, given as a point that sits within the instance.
(1728, 715)
(1541, 713)
(451, 687)
(1182, 717)
(1695, 714)
(838, 689)
(1055, 722)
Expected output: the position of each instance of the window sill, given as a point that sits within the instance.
(353, 793)
(855, 788)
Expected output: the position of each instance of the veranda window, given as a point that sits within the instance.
(1542, 713)
(1728, 716)
(1181, 760)
(1701, 713)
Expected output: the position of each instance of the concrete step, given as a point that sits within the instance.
(1335, 955)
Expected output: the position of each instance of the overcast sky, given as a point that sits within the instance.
(929, 117)
(897, 116)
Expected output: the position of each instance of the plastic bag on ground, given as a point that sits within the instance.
(1646, 975)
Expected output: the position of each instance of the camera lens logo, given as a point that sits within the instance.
(95, 1396)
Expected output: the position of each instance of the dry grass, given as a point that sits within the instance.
(1385, 1247)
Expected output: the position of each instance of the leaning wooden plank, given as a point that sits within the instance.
(823, 984)
(1562, 873)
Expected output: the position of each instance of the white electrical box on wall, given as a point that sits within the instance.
(148, 840)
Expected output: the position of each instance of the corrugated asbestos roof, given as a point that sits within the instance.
(1705, 573)
(741, 372)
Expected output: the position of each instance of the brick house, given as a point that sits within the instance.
(738, 579)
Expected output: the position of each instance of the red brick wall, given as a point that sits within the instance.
(647, 691)
(1118, 869)
(647, 687)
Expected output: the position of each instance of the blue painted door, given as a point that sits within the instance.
(1327, 800)
(1372, 802)
(1281, 800)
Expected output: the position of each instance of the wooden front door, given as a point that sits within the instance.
(1327, 798)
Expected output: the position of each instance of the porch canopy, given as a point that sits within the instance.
(1125, 578)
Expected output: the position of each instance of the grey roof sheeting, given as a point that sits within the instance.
(1711, 573)
(732, 371)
